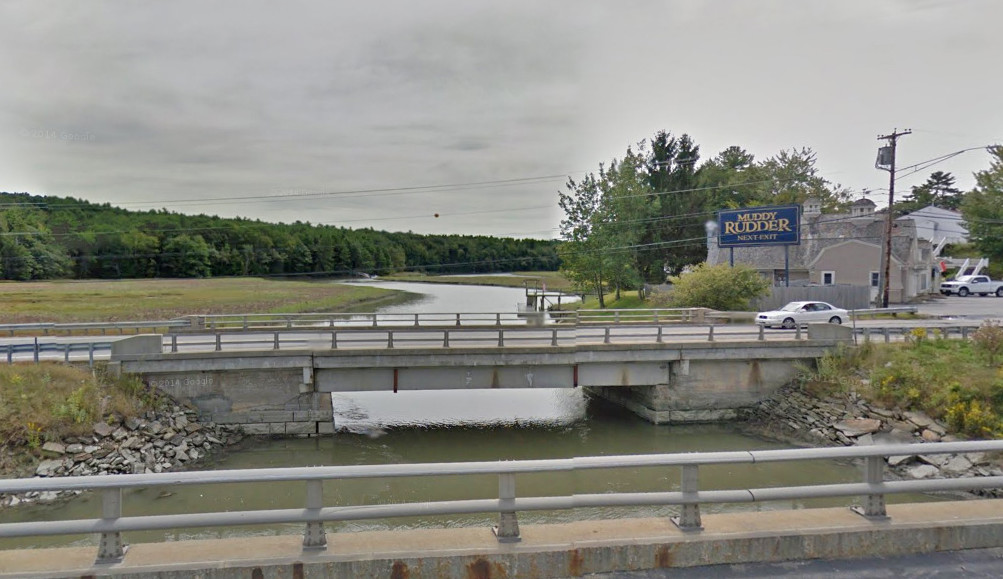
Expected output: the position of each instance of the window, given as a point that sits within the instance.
(875, 278)
(828, 277)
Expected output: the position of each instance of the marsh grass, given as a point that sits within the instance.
(554, 280)
(164, 299)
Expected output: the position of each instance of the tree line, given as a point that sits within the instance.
(44, 237)
(647, 215)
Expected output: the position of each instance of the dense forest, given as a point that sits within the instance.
(56, 237)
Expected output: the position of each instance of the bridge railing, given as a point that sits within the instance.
(552, 335)
(315, 512)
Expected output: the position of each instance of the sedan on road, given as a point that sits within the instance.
(801, 313)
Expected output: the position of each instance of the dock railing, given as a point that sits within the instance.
(507, 504)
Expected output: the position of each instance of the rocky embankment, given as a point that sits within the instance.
(849, 420)
(157, 442)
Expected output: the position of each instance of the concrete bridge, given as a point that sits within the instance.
(288, 391)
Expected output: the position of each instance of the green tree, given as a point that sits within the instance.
(939, 190)
(982, 207)
(792, 178)
(186, 256)
(674, 234)
(719, 287)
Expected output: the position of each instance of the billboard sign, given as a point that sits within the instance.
(775, 225)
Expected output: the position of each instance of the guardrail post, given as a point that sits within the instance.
(219, 342)
(445, 338)
(605, 337)
(36, 351)
(289, 323)
(334, 340)
(710, 334)
(390, 339)
(874, 505)
(111, 549)
(964, 332)
(501, 338)
(244, 323)
(374, 320)
(616, 317)
(457, 319)
(498, 319)
(275, 341)
(416, 320)
(553, 337)
(507, 530)
(797, 331)
(762, 332)
(66, 353)
(174, 343)
(90, 354)
(867, 334)
(314, 538)
(10, 353)
(689, 517)
(888, 336)
(658, 337)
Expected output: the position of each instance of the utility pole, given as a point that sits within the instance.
(886, 162)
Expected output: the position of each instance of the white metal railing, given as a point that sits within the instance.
(315, 513)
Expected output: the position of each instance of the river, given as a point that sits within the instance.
(456, 426)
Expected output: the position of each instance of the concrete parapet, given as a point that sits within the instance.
(552, 550)
(830, 332)
(139, 345)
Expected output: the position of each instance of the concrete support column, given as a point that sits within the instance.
(874, 505)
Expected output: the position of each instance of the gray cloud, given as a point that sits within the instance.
(140, 104)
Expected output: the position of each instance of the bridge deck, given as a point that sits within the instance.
(555, 550)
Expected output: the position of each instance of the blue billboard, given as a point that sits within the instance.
(776, 225)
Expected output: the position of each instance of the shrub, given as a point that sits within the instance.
(719, 287)
(988, 340)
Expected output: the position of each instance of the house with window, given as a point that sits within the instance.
(845, 248)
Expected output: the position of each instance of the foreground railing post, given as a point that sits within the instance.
(689, 517)
(605, 337)
(445, 338)
(174, 343)
(658, 338)
(90, 354)
(710, 334)
(390, 339)
(501, 338)
(507, 530)
(553, 337)
(797, 331)
(762, 332)
(874, 505)
(334, 340)
(888, 335)
(111, 549)
(275, 341)
(219, 342)
(314, 538)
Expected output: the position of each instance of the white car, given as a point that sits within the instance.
(801, 313)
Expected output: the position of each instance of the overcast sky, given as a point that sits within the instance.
(385, 114)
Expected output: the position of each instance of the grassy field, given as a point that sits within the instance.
(162, 299)
(554, 280)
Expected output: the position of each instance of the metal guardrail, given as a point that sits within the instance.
(39, 349)
(47, 328)
(688, 498)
